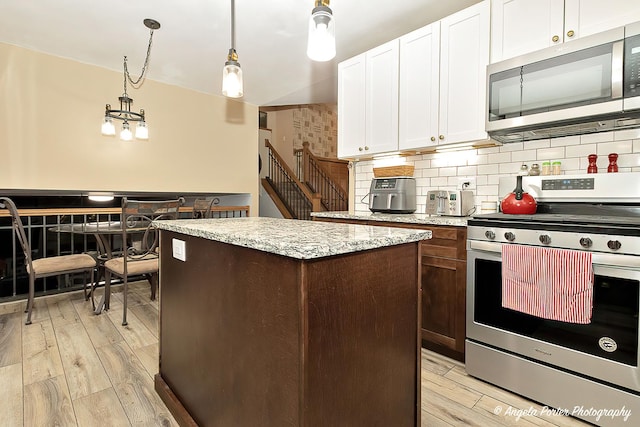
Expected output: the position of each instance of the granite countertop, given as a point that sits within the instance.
(456, 221)
(294, 238)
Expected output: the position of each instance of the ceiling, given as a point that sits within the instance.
(190, 48)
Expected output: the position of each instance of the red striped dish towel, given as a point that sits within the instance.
(555, 284)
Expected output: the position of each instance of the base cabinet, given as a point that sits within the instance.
(443, 285)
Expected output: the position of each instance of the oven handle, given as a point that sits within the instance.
(616, 260)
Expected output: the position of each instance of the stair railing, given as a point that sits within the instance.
(332, 196)
(298, 199)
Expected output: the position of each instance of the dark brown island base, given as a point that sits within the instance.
(271, 322)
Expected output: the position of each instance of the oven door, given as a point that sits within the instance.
(605, 349)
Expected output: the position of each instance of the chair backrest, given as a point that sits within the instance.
(18, 228)
(202, 207)
(137, 217)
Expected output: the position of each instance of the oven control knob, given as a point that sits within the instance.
(509, 236)
(545, 239)
(489, 234)
(614, 245)
(586, 242)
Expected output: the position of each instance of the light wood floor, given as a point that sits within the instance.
(71, 368)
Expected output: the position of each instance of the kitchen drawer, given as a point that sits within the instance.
(446, 242)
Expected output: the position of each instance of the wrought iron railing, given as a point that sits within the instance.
(333, 197)
(40, 226)
(296, 197)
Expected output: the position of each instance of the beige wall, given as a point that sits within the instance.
(50, 115)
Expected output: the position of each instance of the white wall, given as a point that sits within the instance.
(483, 167)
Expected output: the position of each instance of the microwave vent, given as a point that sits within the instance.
(567, 128)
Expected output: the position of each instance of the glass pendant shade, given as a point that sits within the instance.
(142, 131)
(232, 80)
(126, 134)
(321, 44)
(107, 127)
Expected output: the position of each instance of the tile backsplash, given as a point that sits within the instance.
(483, 167)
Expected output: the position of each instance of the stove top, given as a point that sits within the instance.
(562, 219)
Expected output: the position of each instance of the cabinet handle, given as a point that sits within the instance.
(441, 137)
(555, 39)
(570, 33)
(359, 148)
(433, 138)
(366, 148)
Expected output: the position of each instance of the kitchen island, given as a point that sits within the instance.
(277, 322)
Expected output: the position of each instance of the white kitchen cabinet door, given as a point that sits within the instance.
(522, 26)
(586, 17)
(381, 98)
(464, 55)
(419, 88)
(351, 106)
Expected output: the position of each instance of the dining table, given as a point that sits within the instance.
(104, 233)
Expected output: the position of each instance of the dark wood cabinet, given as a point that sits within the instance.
(443, 287)
(444, 282)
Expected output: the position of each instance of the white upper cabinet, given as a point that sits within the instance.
(522, 26)
(419, 87)
(368, 102)
(381, 98)
(464, 55)
(426, 88)
(351, 106)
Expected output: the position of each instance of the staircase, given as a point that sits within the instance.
(297, 198)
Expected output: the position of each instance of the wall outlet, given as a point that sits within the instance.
(179, 249)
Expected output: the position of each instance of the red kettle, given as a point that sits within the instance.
(519, 202)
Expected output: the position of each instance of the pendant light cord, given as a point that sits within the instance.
(138, 82)
(233, 24)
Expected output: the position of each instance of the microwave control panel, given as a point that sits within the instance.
(632, 66)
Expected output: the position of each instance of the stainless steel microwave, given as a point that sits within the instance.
(591, 84)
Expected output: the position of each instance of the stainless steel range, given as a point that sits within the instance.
(588, 370)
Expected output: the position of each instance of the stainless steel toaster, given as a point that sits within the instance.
(393, 195)
(450, 203)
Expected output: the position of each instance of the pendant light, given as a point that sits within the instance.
(232, 73)
(124, 113)
(321, 44)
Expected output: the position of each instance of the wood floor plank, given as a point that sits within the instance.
(459, 375)
(41, 356)
(102, 408)
(450, 389)
(430, 420)
(453, 413)
(100, 328)
(12, 398)
(10, 339)
(134, 386)
(149, 316)
(82, 368)
(47, 403)
(509, 415)
(12, 307)
(136, 334)
(62, 311)
(436, 364)
(148, 356)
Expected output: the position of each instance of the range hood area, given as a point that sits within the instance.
(588, 85)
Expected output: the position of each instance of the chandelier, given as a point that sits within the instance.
(321, 44)
(232, 73)
(124, 113)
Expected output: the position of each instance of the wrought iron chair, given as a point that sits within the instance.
(202, 207)
(48, 266)
(139, 257)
